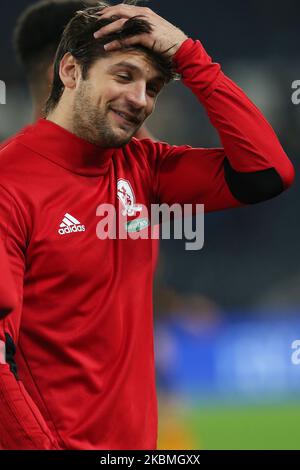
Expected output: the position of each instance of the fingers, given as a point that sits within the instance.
(116, 45)
(117, 10)
(110, 28)
(122, 11)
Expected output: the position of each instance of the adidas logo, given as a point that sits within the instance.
(70, 225)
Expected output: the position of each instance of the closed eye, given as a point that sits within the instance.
(124, 76)
(153, 89)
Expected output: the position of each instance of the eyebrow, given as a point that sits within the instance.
(134, 68)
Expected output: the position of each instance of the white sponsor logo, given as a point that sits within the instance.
(70, 225)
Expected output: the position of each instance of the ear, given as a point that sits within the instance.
(69, 71)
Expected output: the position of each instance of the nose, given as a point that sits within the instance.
(137, 96)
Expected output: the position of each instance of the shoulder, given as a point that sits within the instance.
(158, 152)
(17, 167)
(14, 158)
(12, 147)
(13, 137)
(147, 151)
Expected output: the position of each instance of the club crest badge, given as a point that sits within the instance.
(127, 198)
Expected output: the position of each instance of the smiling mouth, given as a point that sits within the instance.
(125, 117)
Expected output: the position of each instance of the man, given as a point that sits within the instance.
(36, 37)
(84, 332)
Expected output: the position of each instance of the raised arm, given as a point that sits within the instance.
(251, 167)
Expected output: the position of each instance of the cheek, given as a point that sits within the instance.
(98, 94)
(150, 107)
(110, 95)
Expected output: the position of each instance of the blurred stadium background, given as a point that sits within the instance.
(226, 316)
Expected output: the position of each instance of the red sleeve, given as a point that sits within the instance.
(251, 166)
(21, 423)
(8, 298)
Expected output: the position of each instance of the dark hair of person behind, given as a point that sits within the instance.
(38, 32)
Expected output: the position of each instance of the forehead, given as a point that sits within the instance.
(135, 61)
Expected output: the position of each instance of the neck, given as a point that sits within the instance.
(39, 98)
(60, 118)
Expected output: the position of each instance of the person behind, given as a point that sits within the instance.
(83, 325)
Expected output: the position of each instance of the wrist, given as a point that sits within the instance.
(178, 43)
